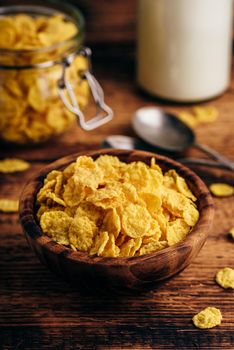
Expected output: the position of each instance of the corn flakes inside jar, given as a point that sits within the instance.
(45, 78)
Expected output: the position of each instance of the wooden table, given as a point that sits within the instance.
(38, 311)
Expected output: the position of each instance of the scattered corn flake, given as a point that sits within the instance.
(231, 232)
(207, 318)
(205, 114)
(114, 209)
(176, 231)
(9, 205)
(225, 277)
(12, 165)
(199, 114)
(221, 190)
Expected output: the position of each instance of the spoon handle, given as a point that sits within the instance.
(215, 155)
(203, 162)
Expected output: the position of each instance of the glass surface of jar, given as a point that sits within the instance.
(184, 48)
(44, 89)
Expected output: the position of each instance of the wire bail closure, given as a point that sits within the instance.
(104, 113)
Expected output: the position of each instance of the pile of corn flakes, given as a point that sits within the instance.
(31, 110)
(112, 209)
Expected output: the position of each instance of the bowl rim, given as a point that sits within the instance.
(32, 229)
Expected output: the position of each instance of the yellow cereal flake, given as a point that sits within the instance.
(152, 201)
(179, 182)
(153, 246)
(198, 115)
(221, 190)
(208, 318)
(191, 215)
(177, 230)
(136, 247)
(231, 232)
(12, 165)
(136, 221)
(112, 209)
(9, 205)
(110, 249)
(56, 225)
(74, 192)
(126, 248)
(111, 222)
(206, 114)
(81, 233)
(225, 277)
(36, 99)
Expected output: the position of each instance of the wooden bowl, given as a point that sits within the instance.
(100, 274)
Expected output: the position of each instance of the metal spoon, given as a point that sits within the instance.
(130, 143)
(166, 132)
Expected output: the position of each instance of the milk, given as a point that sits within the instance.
(184, 48)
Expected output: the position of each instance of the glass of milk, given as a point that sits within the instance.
(184, 48)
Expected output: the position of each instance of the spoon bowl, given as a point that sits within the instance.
(162, 130)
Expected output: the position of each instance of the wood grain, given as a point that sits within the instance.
(39, 311)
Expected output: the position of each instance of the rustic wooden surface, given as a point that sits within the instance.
(38, 311)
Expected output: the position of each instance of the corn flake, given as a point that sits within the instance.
(110, 249)
(12, 165)
(231, 232)
(221, 190)
(208, 318)
(225, 277)
(9, 205)
(81, 233)
(112, 209)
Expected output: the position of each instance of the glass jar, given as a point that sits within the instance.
(43, 90)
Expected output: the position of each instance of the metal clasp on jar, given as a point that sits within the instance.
(104, 113)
